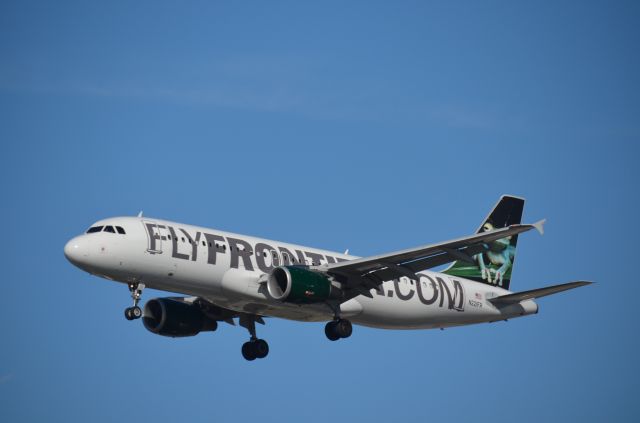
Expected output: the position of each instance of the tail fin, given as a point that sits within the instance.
(495, 265)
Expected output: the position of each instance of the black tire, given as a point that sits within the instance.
(127, 313)
(330, 331)
(261, 348)
(136, 312)
(343, 328)
(248, 351)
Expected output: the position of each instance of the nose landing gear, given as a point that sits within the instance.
(134, 312)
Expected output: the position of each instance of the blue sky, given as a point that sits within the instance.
(371, 126)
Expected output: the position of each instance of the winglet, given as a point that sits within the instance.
(539, 225)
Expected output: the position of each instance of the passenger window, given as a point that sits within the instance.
(182, 239)
(204, 244)
(120, 230)
(94, 229)
(109, 229)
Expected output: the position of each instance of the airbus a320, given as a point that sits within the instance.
(226, 277)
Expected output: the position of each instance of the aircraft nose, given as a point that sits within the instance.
(76, 250)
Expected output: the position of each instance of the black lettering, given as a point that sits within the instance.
(443, 287)
(458, 295)
(403, 297)
(153, 235)
(236, 253)
(315, 257)
(262, 252)
(213, 247)
(300, 255)
(288, 257)
(419, 286)
(193, 242)
(174, 241)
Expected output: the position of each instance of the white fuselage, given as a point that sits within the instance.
(227, 269)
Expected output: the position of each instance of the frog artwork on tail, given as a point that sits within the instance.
(499, 255)
(494, 265)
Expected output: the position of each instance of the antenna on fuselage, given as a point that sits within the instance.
(346, 251)
(140, 214)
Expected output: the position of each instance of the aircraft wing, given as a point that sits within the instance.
(368, 273)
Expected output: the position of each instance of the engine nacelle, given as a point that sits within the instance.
(174, 318)
(297, 285)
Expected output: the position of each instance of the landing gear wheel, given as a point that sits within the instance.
(136, 312)
(343, 328)
(261, 348)
(330, 331)
(257, 348)
(248, 351)
(132, 313)
(338, 329)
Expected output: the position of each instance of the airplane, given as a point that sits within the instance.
(225, 276)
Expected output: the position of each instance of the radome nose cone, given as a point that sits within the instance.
(73, 250)
(69, 250)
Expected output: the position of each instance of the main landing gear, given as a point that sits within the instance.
(134, 312)
(337, 329)
(254, 348)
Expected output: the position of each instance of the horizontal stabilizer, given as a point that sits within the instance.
(536, 293)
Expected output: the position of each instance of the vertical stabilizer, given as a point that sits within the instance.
(495, 265)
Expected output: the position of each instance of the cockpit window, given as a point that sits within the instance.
(94, 229)
(109, 229)
(120, 230)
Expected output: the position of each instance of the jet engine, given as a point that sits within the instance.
(175, 318)
(298, 285)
